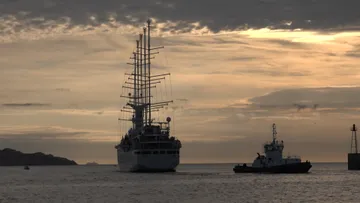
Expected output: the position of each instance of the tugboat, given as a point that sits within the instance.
(273, 161)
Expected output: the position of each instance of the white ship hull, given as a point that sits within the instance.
(131, 162)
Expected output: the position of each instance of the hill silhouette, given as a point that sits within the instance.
(11, 157)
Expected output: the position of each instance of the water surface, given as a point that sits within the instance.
(329, 182)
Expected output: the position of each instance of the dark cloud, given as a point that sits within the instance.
(98, 50)
(319, 15)
(173, 42)
(157, 66)
(219, 40)
(63, 89)
(289, 104)
(325, 97)
(355, 52)
(243, 58)
(343, 98)
(289, 44)
(269, 72)
(25, 104)
(113, 43)
(304, 106)
(38, 135)
(99, 112)
(184, 100)
(217, 72)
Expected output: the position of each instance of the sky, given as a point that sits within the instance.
(236, 68)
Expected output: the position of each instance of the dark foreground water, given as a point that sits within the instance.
(192, 183)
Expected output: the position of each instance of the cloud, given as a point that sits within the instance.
(240, 70)
(238, 119)
(183, 100)
(289, 104)
(269, 72)
(289, 44)
(331, 97)
(63, 89)
(40, 133)
(25, 105)
(355, 52)
(22, 20)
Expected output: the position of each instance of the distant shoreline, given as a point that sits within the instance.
(12, 157)
(100, 164)
(182, 164)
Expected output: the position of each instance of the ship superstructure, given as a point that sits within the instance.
(147, 146)
(273, 160)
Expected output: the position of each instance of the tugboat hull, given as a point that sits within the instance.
(286, 168)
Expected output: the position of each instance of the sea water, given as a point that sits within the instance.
(330, 182)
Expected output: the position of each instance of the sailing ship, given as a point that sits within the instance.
(273, 160)
(147, 146)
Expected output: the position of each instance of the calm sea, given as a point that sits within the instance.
(330, 182)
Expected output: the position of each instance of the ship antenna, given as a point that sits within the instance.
(353, 140)
(149, 90)
(274, 132)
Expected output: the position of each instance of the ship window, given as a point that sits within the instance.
(137, 152)
(155, 152)
(162, 152)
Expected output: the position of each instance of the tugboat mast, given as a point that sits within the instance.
(274, 132)
(354, 146)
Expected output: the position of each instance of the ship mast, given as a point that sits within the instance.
(149, 75)
(145, 85)
(140, 102)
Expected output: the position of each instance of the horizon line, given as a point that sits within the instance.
(193, 163)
